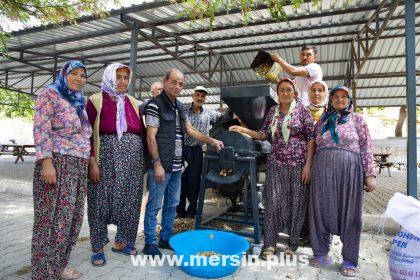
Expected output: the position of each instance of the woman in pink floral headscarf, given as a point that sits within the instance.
(290, 129)
(115, 164)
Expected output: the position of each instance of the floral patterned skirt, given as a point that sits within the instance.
(58, 215)
(286, 199)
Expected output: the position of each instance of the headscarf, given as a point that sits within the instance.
(324, 103)
(285, 130)
(332, 117)
(109, 86)
(75, 98)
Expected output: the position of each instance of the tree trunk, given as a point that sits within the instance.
(401, 120)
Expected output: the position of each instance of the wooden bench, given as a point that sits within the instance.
(17, 150)
(386, 164)
(381, 160)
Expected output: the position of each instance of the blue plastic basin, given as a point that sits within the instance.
(187, 245)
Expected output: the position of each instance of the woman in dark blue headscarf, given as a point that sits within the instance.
(68, 88)
(342, 168)
(61, 137)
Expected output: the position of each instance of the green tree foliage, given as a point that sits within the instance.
(47, 11)
(207, 9)
(14, 104)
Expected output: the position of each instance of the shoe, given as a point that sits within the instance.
(268, 253)
(100, 256)
(348, 269)
(319, 261)
(127, 250)
(151, 250)
(70, 274)
(164, 244)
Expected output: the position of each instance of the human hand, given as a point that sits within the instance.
(94, 171)
(370, 184)
(159, 172)
(48, 172)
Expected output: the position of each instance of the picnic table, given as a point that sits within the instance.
(381, 160)
(17, 150)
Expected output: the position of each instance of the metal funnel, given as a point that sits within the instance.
(250, 103)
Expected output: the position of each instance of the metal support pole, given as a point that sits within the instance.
(32, 83)
(209, 65)
(410, 60)
(367, 40)
(140, 89)
(353, 92)
(195, 56)
(221, 71)
(55, 68)
(133, 57)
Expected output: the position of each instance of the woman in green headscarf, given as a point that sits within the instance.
(290, 129)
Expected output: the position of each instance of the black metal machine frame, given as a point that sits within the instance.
(244, 164)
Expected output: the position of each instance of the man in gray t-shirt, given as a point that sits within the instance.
(166, 122)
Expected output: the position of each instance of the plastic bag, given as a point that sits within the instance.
(404, 259)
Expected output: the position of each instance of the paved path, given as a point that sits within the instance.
(16, 217)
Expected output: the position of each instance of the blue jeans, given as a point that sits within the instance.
(168, 191)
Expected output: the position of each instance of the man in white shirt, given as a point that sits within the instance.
(304, 75)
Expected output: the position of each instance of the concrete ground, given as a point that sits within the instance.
(16, 218)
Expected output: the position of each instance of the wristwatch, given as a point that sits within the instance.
(155, 160)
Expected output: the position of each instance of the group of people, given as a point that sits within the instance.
(320, 162)
(101, 149)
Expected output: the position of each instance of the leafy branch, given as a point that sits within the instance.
(48, 11)
(208, 9)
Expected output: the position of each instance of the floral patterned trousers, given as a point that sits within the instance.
(58, 215)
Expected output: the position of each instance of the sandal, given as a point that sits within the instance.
(289, 252)
(318, 261)
(98, 257)
(348, 269)
(70, 273)
(268, 252)
(126, 250)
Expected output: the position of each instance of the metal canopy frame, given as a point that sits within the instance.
(217, 58)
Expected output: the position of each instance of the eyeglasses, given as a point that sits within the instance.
(285, 90)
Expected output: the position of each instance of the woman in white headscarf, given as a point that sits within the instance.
(318, 99)
(115, 164)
